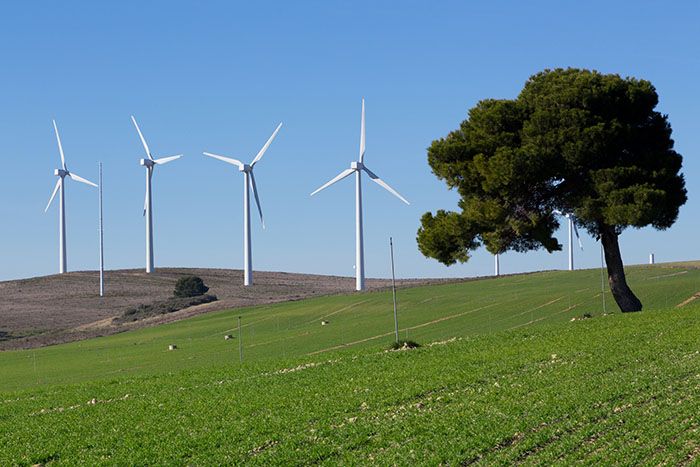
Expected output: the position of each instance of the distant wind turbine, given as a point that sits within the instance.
(62, 173)
(357, 168)
(150, 164)
(572, 230)
(248, 179)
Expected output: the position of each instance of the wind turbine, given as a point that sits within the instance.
(150, 164)
(572, 230)
(357, 168)
(62, 173)
(248, 179)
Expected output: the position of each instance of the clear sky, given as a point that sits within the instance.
(219, 76)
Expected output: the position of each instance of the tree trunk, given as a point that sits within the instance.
(623, 295)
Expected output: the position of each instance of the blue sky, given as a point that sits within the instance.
(219, 76)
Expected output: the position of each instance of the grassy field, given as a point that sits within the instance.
(619, 389)
(358, 321)
(508, 378)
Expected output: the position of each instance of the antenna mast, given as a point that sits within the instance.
(102, 254)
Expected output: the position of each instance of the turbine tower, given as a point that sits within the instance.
(357, 168)
(150, 164)
(572, 230)
(248, 180)
(62, 173)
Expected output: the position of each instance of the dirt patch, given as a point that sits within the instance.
(692, 298)
(668, 275)
(62, 308)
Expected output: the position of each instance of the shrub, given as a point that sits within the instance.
(161, 308)
(190, 286)
(404, 345)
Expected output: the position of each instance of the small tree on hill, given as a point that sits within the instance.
(190, 286)
(576, 141)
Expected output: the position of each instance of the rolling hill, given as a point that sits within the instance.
(291, 329)
(66, 307)
(512, 370)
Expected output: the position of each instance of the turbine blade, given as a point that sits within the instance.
(578, 237)
(165, 160)
(53, 195)
(267, 145)
(60, 146)
(143, 140)
(225, 159)
(384, 185)
(80, 179)
(362, 132)
(257, 200)
(338, 177)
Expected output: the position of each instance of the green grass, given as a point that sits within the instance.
(357, 321)
(509, 381)
(620, 389)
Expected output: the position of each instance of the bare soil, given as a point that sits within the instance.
(62, 308)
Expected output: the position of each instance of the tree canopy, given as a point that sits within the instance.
(581, 142)
(190, 286)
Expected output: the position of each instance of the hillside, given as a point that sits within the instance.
(365, 320)
(62, 308)
(616, 389)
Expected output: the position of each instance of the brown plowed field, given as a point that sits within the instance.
(62, 308)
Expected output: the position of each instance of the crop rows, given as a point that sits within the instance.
(612, 389)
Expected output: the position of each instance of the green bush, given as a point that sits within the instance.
(404, 345)
(162, 307)
(190, 286)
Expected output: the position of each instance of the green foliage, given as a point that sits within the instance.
(190, 286)
(574, 140)
(446, 237)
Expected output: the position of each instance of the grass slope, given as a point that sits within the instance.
(617, 389)
(356, 321)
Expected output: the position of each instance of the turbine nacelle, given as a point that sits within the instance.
(357, 165)
(245, 168)
(147, 162)
(60, 173)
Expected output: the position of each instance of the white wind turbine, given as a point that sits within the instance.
(62, 173)
(248, 179)
(150, 164)
(572, 230)
(357, 168)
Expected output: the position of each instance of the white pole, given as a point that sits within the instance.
(497, 265)
(359, 245)
(571, 243)
(102, 255)
(240, 341)
(247, 257)
(149, 221)
(393, 290)
(62, 263)
(651, 258)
